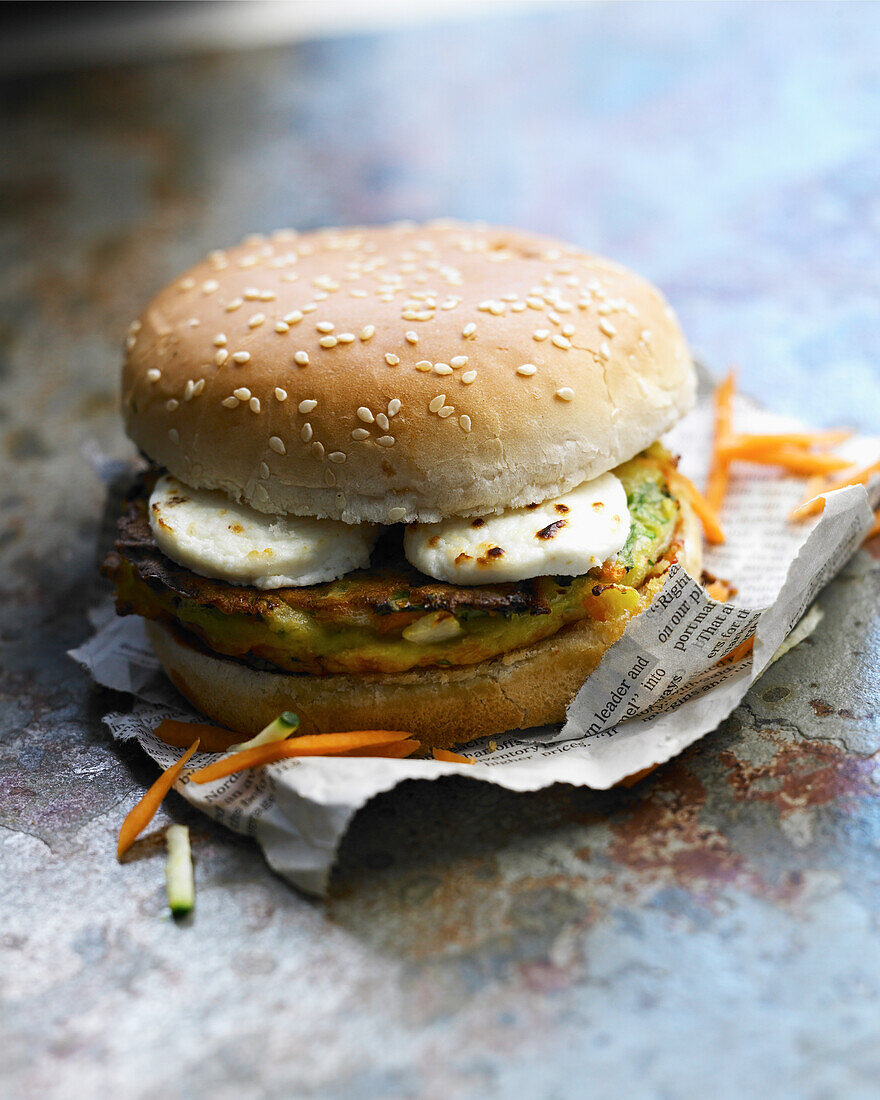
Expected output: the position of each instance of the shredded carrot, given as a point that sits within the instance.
(814, 504)
(140, 816)
(718, 591)
(706, 513)
(316, 744)
(795, 459)
(716, 484)
(636, 777)
(744, 441)
(874, 529)
(452, 757)
(181, 734)
(740, 652)
(395, 751)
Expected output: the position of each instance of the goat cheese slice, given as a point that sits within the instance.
(566, 536)
(203, 530)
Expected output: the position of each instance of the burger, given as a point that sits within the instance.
(405, 477)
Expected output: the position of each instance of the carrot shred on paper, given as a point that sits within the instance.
(181, 734)
(395, 751)
(708, 516)
(316, 744)
(140, 816)
(745, 442)
(716, 483)
(738, 653)
(452, 757)
(811, 505)
(795, 459)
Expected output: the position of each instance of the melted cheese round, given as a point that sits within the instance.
(208, 533)
(567, 536)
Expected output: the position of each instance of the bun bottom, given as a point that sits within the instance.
(527, 687)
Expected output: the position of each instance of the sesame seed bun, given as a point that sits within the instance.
(443, 707)
(404, 373)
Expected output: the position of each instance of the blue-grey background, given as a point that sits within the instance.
(712, 932)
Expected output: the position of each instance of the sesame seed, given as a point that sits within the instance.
(130, 342)
(568, 330)
(188, 389)
(306, 433)
(469, 329)
(566, 393)
(469, 376)
(301, 358)
(241, 356)
(411, 337)
(277, 445)
(367, 332)
(365, 414)
(325, 326)
(267, 296)
(496, 308)
(294, 317)
(604, 350)
(464, 422)
(230, 307)
(360, 433)
(337, 456)
(242, 393)
(383, 421)
(198, 387)
(396, 514)
(645, 337)
(535, 303)
(309, 308)
(518, 307)
(209, 286)
(553, 316)
(442, 368)
(317, 448)
(280, 394)
(393, 407)
(484, 306)
(229, 402)
(540, 334)
(437, 403)
(329, 477)
(220, 340)
(307, 405)
(256, 320)
(328, 341)
(186, 284)
(358, 293)
(527, 369)
(447, 410)
(424, 365)
(607, 328)
(252, 294)
(261, 494)
(385, 440)
(391, 359)
(264, 470)
(561, 342)
(282, 327)
(172, 405)
(458, 360)
(174, 435)
(153, 375)
(346, 338)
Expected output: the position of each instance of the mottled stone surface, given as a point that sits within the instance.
(712, 932)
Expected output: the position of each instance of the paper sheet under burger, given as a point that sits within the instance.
(664, 684)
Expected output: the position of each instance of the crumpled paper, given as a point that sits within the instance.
(661, 687)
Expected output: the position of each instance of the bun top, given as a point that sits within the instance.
(402, 373)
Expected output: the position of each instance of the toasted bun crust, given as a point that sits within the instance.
(325, 374)
(528, 687)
